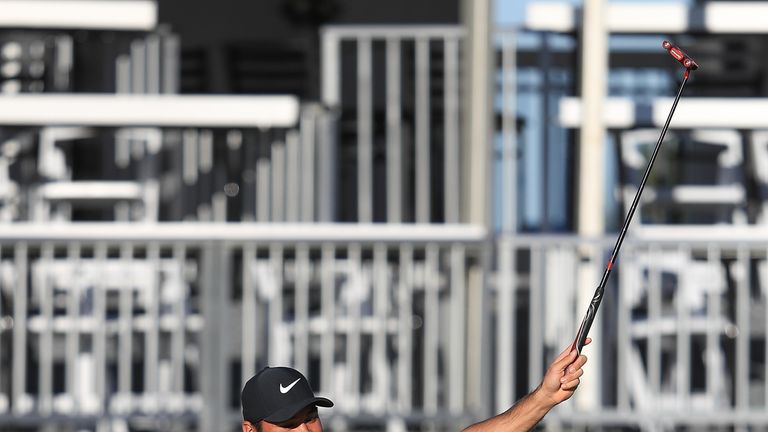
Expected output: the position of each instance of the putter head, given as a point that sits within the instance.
(680, 56)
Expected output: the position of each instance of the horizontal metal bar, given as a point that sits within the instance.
(134, 15)
(722, 235)
(680, 417)
(702, 234)
(656, 17)
(149, 110)
(392, 31)
(243, 232)
(31, 420)
(756, 235)
(620, 112)
(742, 113)
(91, 190)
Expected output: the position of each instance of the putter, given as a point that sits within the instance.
(594, 305)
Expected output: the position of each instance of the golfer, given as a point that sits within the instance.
(280, 399)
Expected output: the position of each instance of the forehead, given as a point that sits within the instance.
(303, 414)
(301, 417)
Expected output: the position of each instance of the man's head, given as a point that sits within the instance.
(279, 399)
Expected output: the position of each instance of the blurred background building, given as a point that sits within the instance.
(410, 201)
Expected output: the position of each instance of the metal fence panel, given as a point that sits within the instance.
(133, 327)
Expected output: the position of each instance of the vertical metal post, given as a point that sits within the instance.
(99, 332)
(190, 147)
(278, 181)
(153, 64)
(291, 178)
(654, 315)
(452, 171)
(536, 329)
(248, 355)
(263, 198)
(478, 112)
(179, 338)
(170, 68)
(475, 178)
(405, 329)
(45, 370)
(457, 327)
(215, 280)
(308, 122)
(713, 351)
(301, 307)
(328, 307)
(590, 215)
(627, 279)
(509, 132)
(123, 74)
(505, 336)
(139, 66)
(356, 276)
(326, 207)
(683, 332)
(275, 312)
(205, 153)
(152, 335)
(765, 330)
(394, 134)
(331, 97)
(423, 162)
(380, 365)
(545, 62)
(73, 314)
(364, 131)
(125, 357)
(19, 368)
(431, 329)
(330, 64)
(742, 322)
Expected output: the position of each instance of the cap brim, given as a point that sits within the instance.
(291, 410)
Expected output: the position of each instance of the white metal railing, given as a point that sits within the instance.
(114, 324)
(377, 321)
(134, 15)
(644, 17)
(683, 326)
(120, 323)
(301, 173)
(418, 129)
(409, 139)
(99, 331)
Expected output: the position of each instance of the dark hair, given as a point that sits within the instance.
(257, 425)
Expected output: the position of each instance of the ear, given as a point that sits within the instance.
(248, 427)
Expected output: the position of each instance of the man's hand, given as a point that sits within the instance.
(558, 385)
(562, 377)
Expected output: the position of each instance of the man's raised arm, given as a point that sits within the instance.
(558, 385)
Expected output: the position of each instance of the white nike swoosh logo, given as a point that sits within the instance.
(285, 390)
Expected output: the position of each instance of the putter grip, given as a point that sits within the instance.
(589, 317)
(581, 335)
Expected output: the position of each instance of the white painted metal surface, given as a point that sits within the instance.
(618, 113)
(149, 110)
(244, 232)
(655, 17)
(133, 15)
(376, 318)
(692, 113)
(410, 140)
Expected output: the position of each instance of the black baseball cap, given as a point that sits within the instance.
(276, 394)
